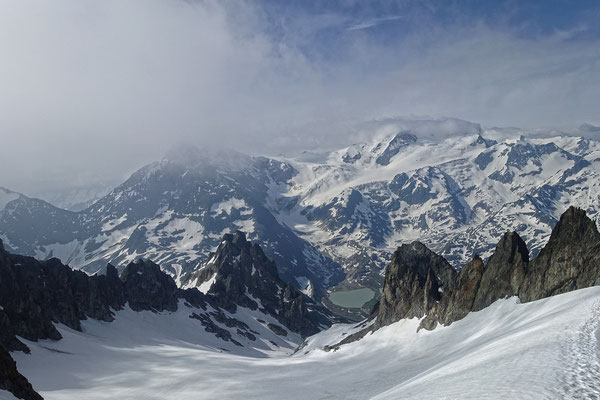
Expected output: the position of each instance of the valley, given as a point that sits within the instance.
(529, 345)
(330, 221)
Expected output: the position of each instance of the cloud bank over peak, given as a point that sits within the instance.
(93, 89)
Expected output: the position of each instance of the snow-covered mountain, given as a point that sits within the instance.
(457, 195)
(232, 334)
(325, 217)
(175, 212)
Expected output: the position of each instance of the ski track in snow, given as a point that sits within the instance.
(582, 353)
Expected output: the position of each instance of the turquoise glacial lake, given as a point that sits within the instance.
(352, 298)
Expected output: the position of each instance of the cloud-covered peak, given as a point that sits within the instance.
(191, 156)
(93, 89)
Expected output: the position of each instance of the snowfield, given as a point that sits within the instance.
(546, 349)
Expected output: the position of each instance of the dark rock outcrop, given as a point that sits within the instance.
(34, 294)
(504, 272)
(457, 301)
(146, 287)
(242, 275)
(414, 282)
(12, 380)
(569, 261)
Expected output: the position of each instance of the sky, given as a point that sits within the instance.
(91, 90)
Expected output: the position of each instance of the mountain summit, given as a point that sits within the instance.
(569, 261)
(326, 220)
(240, 274)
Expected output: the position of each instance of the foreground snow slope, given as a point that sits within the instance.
(544, 349)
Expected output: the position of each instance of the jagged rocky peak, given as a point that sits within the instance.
(398, 142)
(573, 227)
(243, 268)
(569, 261)
(239, 274)
(413, 283)
(409, 293)
(504, 272)
(147, 287)
(483, 141)
(417, 256)
(236, 268)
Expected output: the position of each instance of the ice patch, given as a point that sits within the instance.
(228, 206)
(205, 286)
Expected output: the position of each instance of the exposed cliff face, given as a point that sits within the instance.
(146, 287)
(413, 283)
(240, 274)
(34, 294)
(570, 260)
(457, 301)
(504, 272)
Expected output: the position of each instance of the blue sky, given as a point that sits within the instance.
(86, 81)
(387, 22)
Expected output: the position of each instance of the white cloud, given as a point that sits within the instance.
(373, 22)
(93, 89)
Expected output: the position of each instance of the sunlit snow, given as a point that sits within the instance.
(544, 349)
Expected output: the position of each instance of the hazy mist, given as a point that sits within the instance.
(91, 90)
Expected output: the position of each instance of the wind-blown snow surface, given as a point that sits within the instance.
(544, 349)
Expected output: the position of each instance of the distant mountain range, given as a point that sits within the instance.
(328, 218)
(76, 198)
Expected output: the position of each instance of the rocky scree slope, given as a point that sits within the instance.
(34, 295)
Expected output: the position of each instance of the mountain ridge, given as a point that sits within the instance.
(331, 222)
(36, 296)
(569, 261)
